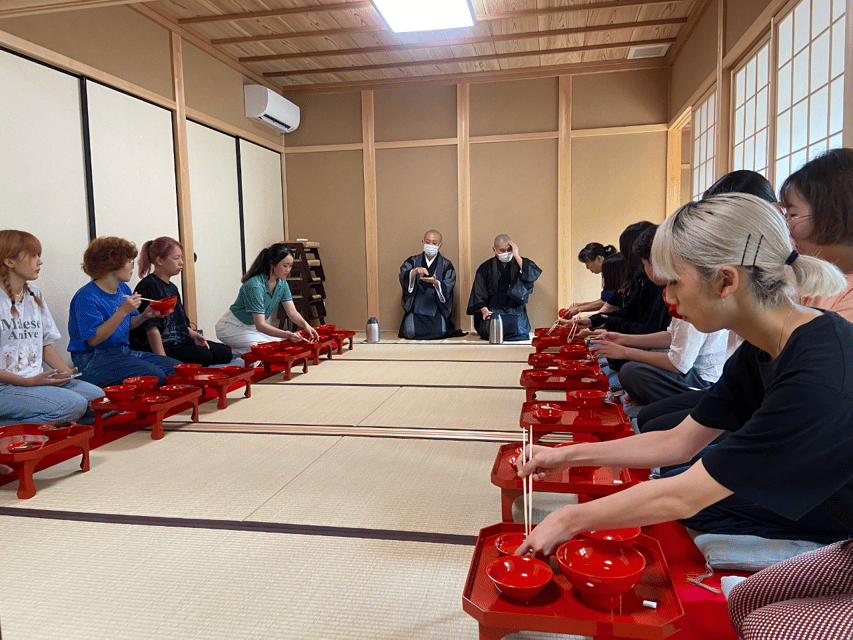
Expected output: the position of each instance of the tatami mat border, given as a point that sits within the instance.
(243, 525)
(397, 385)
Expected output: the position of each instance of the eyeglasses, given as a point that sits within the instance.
(793, 217)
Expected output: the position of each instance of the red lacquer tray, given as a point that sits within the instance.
(209, 377)
(606, 419)
(142, 406)
(286, 360)
(596, 380)
(326, 344)
(551, 360)
(584, 481)
(548, 342)
(341, 335)
(24, 462)
(557, 609)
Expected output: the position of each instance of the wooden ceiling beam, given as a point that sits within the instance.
(272, 13)
(431, 44)
(495, 56)
(482, 76)
(298, 34)
(593, 6)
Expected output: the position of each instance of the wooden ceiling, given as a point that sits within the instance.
(308, 46)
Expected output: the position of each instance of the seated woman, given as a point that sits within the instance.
(27, 333)
(663, 364)
(102, 314)
(264, 288)
(785, 397)
(170, 335)
(592, 256)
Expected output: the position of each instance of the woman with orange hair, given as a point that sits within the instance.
(29, 394)
(102, 314)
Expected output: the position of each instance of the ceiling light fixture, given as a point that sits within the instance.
(425, 15)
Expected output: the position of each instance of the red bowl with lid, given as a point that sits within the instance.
(519, 577)
(143, 383)
(120, 392)
(573, 351)
(187, 370)
(587, 398)
(602, 572)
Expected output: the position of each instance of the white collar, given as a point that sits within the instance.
(429, 260)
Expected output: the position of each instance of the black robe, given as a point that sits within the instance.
(504, 289)
(426, 316)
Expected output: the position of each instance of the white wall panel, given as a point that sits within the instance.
(133, 167)
(216, 222)
(42, 175)
(263, 214)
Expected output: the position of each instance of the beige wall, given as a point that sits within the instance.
(523, 106)
(740, 16)
(327, 119)
(696, 61)
(415, 114)
(620, 99)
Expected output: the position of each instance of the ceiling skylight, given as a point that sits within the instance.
(425, 15)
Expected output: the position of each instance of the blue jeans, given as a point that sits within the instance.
(39, 405)
(106, 367)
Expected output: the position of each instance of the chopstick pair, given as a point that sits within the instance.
(527, 481)
(141, 298)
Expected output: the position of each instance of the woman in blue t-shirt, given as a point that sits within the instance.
(785, 399)
(264, 287)
(102, 314)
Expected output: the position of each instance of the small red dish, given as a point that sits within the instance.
(519, 577)
(187, 370)
(587, 398)
(211, 376)
(573, 351)
(143, 383)
(53, 431)
(292, 350)
(120, 392)
(624, 536)
(155, 399)
(601, 571)
(231, 369)
(508, 543)
(574, 369)
(175, 389)
(264, 348)
(539, 376)
(326, 329)
(548, 414)
(20, 447)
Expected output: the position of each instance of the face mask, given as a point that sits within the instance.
(430, 250)
(505, 257)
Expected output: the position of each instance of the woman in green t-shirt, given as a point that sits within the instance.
(264, 288)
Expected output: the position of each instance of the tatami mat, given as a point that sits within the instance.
(479, 352)
(470, 338)
(451, 408)
(426, 373)
(295, 404)
(111, 582)
(405, 485)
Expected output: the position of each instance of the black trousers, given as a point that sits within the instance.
(192, 353)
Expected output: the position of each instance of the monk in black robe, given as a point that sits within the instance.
(503, 285)
(427, 280)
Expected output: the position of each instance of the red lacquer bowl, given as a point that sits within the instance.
(187, 370)
(508, 543)
(120, 392)
(601, 571)
(587, 398)
(539, 360)
(212, 376)
(326, 329)
(574, 369)
(573, 351)
(293, 350)
(21, 447)
(548, 414)
(165, 305)
(175, 389)
(264, 348)
(155, 399)
(231, 369)
(142, 383)
(52, 431)
(624, 536)
(539, 376)
(519, 577)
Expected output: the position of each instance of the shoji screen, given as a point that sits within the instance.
(216, 222)
(752, 110)
(133, 167)
(704, 145)
(263, 213)
(42, 175)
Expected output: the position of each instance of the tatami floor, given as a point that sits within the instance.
(343, 504)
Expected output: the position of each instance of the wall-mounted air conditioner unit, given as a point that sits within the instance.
(268, 107)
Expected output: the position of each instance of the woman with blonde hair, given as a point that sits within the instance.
(785, 398)
(29, 394)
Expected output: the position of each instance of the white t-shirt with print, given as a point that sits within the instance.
(23, 338)
(690, 348)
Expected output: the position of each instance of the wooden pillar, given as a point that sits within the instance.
(724, 86)
(847, 136)
(371, 242)
(564, 194)
(464, 278)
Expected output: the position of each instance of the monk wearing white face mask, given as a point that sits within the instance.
(427, 280)
(503, 285)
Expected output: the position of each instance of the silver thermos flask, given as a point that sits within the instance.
(496, 329)
(372, 330)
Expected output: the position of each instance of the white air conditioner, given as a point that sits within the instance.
(265, 105)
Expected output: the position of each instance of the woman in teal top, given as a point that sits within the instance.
(264, 288)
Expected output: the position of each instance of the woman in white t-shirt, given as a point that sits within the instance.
(29, 394)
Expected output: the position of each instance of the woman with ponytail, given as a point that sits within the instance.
(246, 322)
(592, 256)
(170, 335)
(28, 394)
(785, 399)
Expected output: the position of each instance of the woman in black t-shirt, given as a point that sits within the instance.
(170, 335)
(785, 397)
